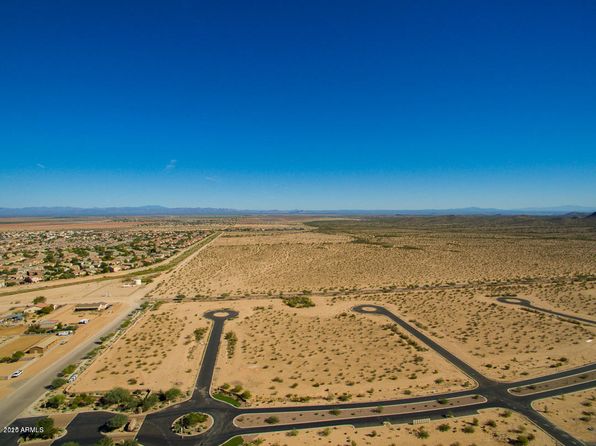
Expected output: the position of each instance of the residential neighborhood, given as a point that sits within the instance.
(28, 257)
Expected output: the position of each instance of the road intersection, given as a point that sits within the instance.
(516, 396)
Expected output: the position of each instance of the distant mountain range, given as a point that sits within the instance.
(164, 211)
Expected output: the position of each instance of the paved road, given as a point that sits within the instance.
(527, 304)
(156, 430)
(30, 389)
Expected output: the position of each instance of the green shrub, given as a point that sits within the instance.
(116, 422)
(57, 383)
(299, 302)
(55, 401)
(172, 394)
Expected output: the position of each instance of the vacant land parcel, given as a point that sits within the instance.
(344, 254)
(162, 350)
(328, 353)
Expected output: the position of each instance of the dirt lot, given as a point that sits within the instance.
(504, 431)
(327, 352)
(157, 353)
(371, 255)
(574, 412)
(20, 343)
(110, 291)
(502, 341)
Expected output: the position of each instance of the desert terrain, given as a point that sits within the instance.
(327, 353)
(158, 352)
(487, 428)
(386, 252)
(296, 340)
(573, 412)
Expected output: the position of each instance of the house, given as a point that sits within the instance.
(42, 346)
(95, 306)
(15, 317)
(48, 325)
(31, 309)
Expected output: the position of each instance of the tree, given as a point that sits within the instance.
(39, 300)
(105, 441)
(116, 422)
(45, 310)
(45, 429)
(117, 395)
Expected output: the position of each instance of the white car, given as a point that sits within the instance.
(72, 378)
(16, 374)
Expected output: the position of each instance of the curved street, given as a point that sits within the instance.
(517, 396)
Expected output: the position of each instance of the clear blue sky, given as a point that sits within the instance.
(298, 104)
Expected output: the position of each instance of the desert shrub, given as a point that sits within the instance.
(44, 429)
(58, 382)
(422, 433)
(16, 356)
(231, 340)
(149, 402)
(55, 401)
(117, 395)
(199, 333)
(299, 302)
(272, 420)
(81, 400)
(192, 419)
(172, 394)
(68, 370)
(116, 422)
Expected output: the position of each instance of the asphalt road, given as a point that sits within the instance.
(30, 389)
(527, 304)
(156, 430)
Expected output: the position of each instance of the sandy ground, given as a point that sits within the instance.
(111, 291)
(573, 412)
(578, 299)
(506, 429)
(287, 355)
(238, 263)
(502, 341)
(157, 353)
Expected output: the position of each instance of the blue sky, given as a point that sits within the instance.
(309, 105)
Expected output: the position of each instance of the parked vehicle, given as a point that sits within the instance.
(16, 374)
